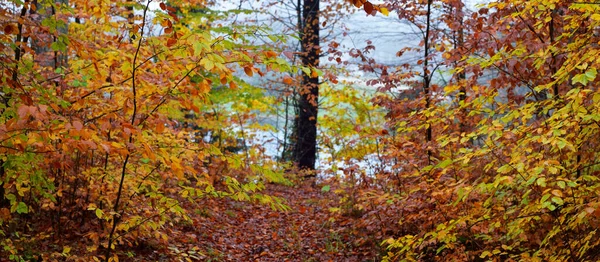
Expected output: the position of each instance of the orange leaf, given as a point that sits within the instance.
(160, 127)
(164, 23)
(204, 86)
(314, 74)
(288, 80)
(271, 54)
(357, 3)
(171, 42)
(248, 70)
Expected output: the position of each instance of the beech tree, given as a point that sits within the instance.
(96, 139)
(305, 133)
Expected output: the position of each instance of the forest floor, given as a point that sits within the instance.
(228, 230)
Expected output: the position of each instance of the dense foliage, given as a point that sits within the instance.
(514, 173)
(103, 127)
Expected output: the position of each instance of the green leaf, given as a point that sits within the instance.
(559, 201)
(22, 208)
(99, 213)
(66, 250)
(580, 78)
(59, 46)
(541, 182)
(590, 74)
(11, 197)
(504, 169)
(306, 70)
(444, 163)
(325, 188)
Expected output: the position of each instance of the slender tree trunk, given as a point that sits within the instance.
(305, 149)
(284, 151)
(427, 75)
(553, 66)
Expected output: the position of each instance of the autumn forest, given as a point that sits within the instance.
(203, 130)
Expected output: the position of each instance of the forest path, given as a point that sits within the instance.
(228, 230)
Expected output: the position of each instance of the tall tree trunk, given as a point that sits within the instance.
(305, 149)
(427, 75)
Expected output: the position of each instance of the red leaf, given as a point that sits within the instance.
(163, 6)
(368, 7)
(171, 42)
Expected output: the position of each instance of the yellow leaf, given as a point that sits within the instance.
(92, 206)
(209, 65)
(384, 11)
(99, 213)
(557, 193)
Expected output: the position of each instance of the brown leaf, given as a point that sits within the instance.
(368, 7)
(10, 29)
(248, 70)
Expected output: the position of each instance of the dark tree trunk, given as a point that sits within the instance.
(427, 76)
(305, 150)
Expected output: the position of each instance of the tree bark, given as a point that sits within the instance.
(305, 150)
